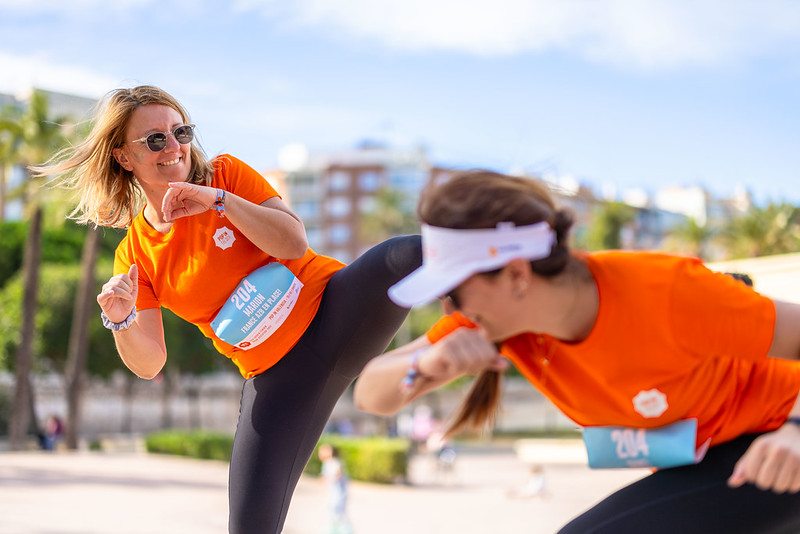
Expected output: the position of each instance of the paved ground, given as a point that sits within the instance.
(135, 493)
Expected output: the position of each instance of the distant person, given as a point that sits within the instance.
(535, 485)
(212, 241)
(52, 433)
(663, 363)
(333, 472)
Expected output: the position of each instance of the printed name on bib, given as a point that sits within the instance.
(258, 306)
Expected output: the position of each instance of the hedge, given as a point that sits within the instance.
(197, 444)
(369, 459)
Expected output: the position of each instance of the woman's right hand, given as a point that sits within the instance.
(465, 351)
(118, 297)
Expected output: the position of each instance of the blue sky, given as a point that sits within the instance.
(629, 93)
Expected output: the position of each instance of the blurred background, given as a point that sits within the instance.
(662, 125)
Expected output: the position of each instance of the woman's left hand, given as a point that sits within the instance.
(772, 462)
(184, 199)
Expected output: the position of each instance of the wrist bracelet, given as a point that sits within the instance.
(116, 327)
(793, 419)
(219, 203)
(412, 373)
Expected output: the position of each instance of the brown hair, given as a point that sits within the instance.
(109, 194)
(481, 199)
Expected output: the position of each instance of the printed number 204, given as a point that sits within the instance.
(242, 294)
(631, 443)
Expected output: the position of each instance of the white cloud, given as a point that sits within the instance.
(20, 73)
(640, 33)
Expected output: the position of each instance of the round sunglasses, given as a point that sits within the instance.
(157, 141)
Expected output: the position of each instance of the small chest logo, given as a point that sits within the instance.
(224, 237)
(651, 403)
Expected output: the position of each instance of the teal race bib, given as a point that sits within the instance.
(667, 446)
(258, 306)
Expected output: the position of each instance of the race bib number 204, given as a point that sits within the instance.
(668, 446)
(258, 306)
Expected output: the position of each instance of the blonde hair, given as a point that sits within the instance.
(481, 199)
(109, 194)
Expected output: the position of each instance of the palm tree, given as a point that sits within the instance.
(10, 133)
(78, 350)
(693, 237)
(35, 139)
(774, 229)
(606, 231)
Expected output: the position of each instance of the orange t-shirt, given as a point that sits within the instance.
(193, 268)
(671, 341)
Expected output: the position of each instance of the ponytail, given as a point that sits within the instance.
(479, 409)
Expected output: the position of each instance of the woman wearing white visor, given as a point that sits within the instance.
(662, 362)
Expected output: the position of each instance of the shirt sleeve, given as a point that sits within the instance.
(146, 298)
(714, 314)
(446, 325)
(237, 177)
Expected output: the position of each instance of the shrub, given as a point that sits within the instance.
(370, 459)
(196, 444)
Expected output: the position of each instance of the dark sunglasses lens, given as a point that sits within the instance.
(156, 142)
(184, 134)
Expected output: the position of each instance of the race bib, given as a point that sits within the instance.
(258, 306)
(668, 446)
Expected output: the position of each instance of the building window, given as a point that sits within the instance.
(338, 234)
(314, 236)
(339, 181)
(369, 181)
(306, 209)
(338, 207)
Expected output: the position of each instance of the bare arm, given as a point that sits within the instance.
(786, 339)
(772, 462)
(141, 347)
(271, 225)
(463, 352)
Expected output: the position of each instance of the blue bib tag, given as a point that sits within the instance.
(258, 306)
(668, 446)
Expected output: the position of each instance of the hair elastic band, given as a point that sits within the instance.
(116, 327)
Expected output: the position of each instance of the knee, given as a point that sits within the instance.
(404, 254)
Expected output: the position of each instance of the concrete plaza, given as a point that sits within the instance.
(137, 493)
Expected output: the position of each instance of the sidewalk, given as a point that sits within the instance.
(128, 493)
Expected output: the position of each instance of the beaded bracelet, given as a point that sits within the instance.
(219, 203)
(412, 373)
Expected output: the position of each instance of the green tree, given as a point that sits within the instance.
(606, 229)
(391, 216)
(773, 229)
(692, 238)
(34, 140)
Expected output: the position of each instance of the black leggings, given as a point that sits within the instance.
(693, 500)
(285, 409)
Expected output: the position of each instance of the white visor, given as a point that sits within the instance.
(451, 256)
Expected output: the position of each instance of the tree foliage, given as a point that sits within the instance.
(606, 230)
(773, 229)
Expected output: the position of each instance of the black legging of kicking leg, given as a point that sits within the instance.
(693, 499)
(285, 409)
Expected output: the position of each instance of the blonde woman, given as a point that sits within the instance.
(213, 242)
(662, 362)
